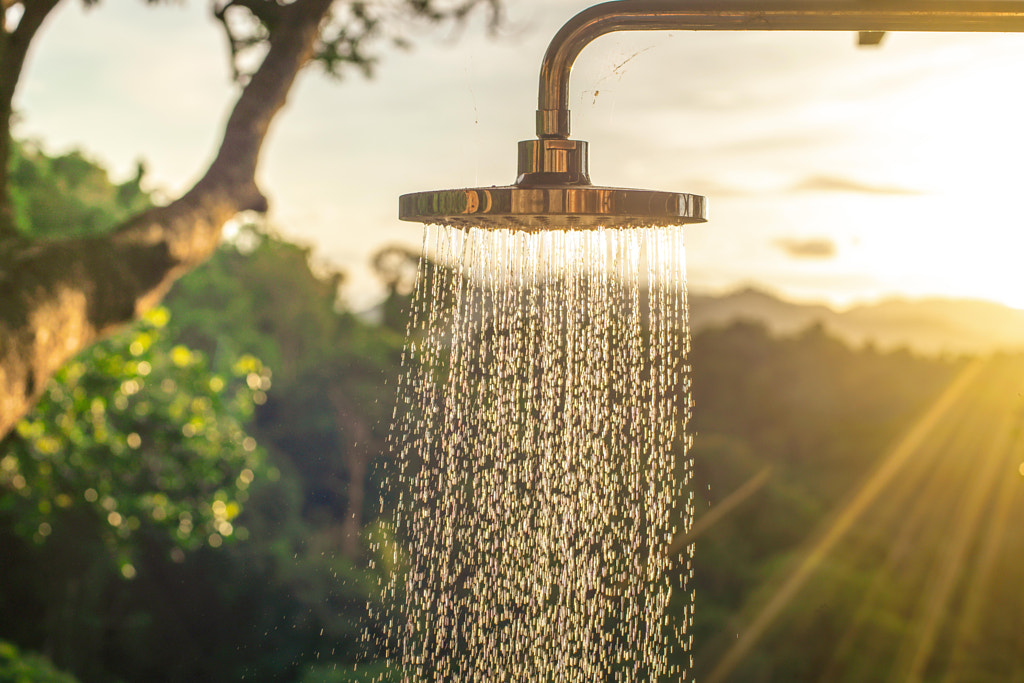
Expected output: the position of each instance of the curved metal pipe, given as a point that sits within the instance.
(760, 15)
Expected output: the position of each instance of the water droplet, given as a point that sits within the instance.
(541, 458)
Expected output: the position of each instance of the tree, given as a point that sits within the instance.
(58, 297)
(154, 427)
(139, 431)
(331, 405)
(69, 195)
(136, 449)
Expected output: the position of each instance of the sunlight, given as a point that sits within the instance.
(869, 491)
(956, 135)
(949, 245)
(922, 146)
(958, 544)
(963, 127)
(972, 612)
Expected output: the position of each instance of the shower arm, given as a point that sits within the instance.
(747, 15)
(553, 191)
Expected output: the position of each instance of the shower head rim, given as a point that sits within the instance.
(535, 208)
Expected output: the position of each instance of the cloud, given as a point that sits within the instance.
(812, 248)
(810, 184)
(827, 183)
(713, 188)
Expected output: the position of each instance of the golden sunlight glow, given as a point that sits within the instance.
(941, 502)
(911, 167)
(891, 465)
(956, 137)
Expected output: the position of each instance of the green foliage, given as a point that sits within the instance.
(136, 461)
(69, 195)
(258, 294)
(137, 432)
(19, 667)
(819, 414)
(353, 34)
(261, 610)
(262, 294)
(324, 424)
(808, 403)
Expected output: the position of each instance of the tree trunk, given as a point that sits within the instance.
(56, 298)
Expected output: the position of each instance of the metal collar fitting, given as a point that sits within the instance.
(553, 189)
(553, 162)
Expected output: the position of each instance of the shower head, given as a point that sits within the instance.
(551, 207)
(552, 192)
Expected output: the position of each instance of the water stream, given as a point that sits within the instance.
(541, 462)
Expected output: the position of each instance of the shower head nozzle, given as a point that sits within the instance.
(552, 192)
(552, 207)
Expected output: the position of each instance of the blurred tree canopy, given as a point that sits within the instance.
(137, 432)
(816, 416)
(333, 373)
(150, 452)
(69, 195)
(16, 667)
(69, 278)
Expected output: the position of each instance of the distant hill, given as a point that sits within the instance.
(927, 325)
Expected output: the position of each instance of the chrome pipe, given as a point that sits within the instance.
(553, 189)
(1006, 16)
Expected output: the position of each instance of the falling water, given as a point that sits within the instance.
(541, 469)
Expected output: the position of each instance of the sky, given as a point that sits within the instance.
(833, 173)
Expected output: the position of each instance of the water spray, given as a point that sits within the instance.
(541, 453)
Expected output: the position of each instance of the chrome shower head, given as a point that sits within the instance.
(552, 192)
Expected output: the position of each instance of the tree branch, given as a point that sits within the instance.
(267, 12)
(56, 298)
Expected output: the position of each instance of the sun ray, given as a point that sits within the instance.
(914, 516)
(966, 522)
(981, 577)
(891, 465)
(904, 515)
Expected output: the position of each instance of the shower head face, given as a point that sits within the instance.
(536, 208)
